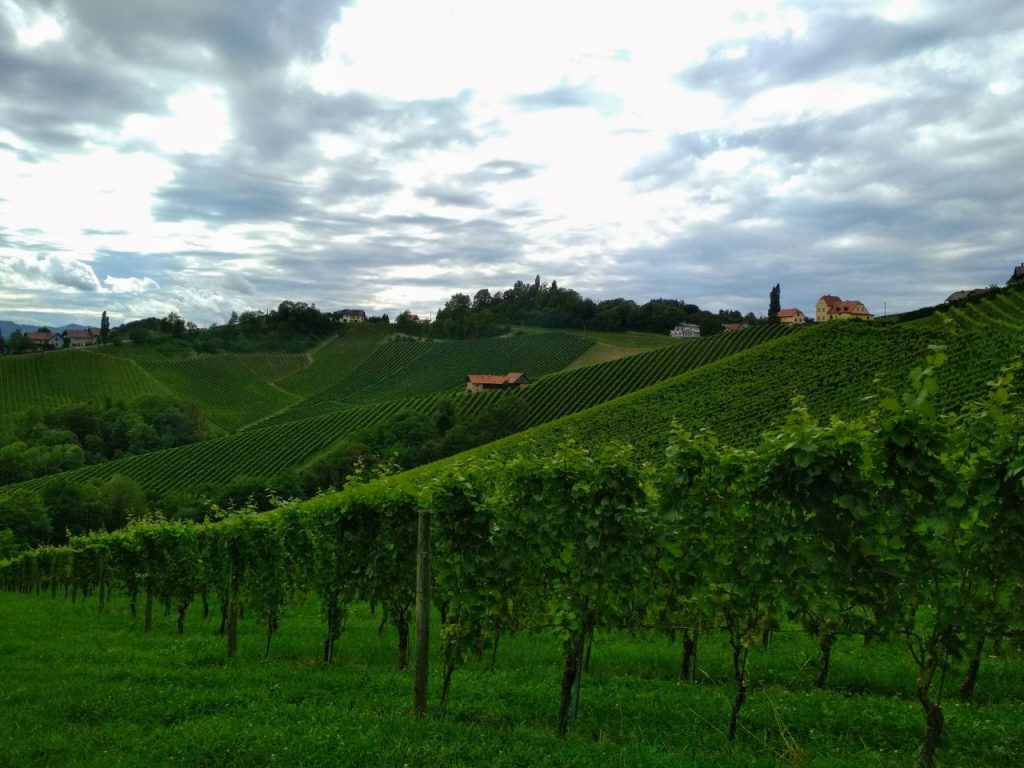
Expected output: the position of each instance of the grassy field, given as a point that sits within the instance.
(82, 688)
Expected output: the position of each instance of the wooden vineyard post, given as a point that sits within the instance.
(419, 690)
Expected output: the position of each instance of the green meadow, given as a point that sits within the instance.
(84, 688)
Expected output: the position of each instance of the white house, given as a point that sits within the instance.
(685, 331)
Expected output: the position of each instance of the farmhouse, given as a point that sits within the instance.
(482, 382)
(685, 331)
(86, 338)
(734, 326)
(833, 308)
(792, 317)
(352, 316)
(44, 339)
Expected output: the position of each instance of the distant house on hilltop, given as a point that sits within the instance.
(84, 338)
(734, 326)
(833, 308)
(44, 339)
(792, 317)
(482, 382)
(352, 316)
(1018, 274)
(685, 331)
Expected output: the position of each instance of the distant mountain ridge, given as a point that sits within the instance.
(7, 327)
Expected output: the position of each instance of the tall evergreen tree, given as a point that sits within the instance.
(774, 305)
(104, 328)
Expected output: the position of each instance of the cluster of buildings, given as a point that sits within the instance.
(828, 308)
(43, 340)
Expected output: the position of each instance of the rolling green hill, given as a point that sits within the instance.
(334, 359)
(839, 368)
(300, 433)
(570, 391)
(226, 391)
(70, 375)
(404, 368)
(738, 384)
(282, 443)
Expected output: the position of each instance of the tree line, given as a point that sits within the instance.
(550, 306)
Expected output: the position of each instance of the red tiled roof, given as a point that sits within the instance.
(837, 306)
(497, 381)
(483, 378)
(39, 335)
(788, 312)
(88, 333)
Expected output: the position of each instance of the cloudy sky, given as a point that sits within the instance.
(160, 155)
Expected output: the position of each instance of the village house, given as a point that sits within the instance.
(84, 338)
(352, 316)
(685, 331)
(482, 382)
(734, 326)
(791, 317)
(44, 340)
(833, 308)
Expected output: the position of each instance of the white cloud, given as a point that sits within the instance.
(132, 285)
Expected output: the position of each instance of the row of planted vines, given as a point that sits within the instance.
(571, 391)
(69, 375)
(906, 524)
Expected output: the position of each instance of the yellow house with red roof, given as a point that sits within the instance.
(833, 308)
(792, 317)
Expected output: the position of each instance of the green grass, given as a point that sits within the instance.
(86, 689)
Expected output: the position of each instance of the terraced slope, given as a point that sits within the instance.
(279, 444)
(226, 392)
(568, 392)
(71, 375)
(261, 452)
(995, 308)
(401, 368)
(335, 359)
(838, 367)
(271, 368)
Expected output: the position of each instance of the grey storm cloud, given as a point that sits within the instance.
(213, 190)
(469, 190)
(259, 35)
(55, 100)
(236, 283)
(836, 42)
